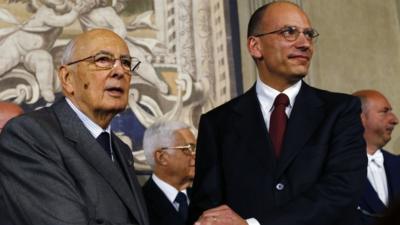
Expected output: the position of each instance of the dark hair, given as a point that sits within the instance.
(255, 20)
(256, 17)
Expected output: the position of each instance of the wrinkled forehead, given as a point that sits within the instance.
(100, 41)
(281, 14)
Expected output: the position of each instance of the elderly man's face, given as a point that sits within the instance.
(283, 58)
(182, 162)
(97, 90)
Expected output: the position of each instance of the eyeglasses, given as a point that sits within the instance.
(291, 33)
(187, 149)
(105, 60)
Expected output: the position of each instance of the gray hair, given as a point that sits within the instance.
(68, 51)
(160, 134)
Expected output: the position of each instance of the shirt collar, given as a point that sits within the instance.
(168, 189)
(267, 94)
(376, 158)
(93, 128)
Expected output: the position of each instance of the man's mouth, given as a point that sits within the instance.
(114, 91)
(301, 57)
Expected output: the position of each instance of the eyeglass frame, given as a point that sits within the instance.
(112, 57)
(188, 148)
(285, 28)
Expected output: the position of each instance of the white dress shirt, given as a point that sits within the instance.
(377, 175)
(94, 129)
(169, 191)
(266, 96)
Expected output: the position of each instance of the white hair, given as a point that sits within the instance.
(68, 51)
(160, 134)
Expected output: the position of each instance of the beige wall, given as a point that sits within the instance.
(359, 47)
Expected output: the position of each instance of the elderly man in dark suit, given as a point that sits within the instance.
(284, 152)
(169, 147)
(62, 164)
(383, 185)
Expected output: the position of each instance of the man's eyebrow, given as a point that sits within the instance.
(111, 54)
(104, 52)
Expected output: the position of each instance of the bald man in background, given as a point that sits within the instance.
(8, 111)
(383, 184)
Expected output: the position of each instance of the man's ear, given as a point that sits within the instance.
(363, 118)
(253, 45)
(161, 158)
(66, 79)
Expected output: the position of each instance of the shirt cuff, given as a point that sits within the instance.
(252, 221)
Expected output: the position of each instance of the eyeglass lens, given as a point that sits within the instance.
(108, 61)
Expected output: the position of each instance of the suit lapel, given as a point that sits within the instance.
(391, 164)
(161, 205)
(372, 200)
(252, 131)
(91, 151)
(126, 162)
(306, 115)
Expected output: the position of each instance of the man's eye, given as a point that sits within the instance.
(104, 59)
(289, 31)
(126, 62)
(309, 33)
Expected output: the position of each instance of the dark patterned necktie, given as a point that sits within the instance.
(104, 141)
(277, 123)
(181, 199)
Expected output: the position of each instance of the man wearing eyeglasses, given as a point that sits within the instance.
(170, 148)
(283, 153)
(383, 185)
(62, 164)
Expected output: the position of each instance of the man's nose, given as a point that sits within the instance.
(394, 119)
(302, 42)
(117, 69)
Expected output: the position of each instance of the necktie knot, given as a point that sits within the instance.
(281, 99)
(181, 199)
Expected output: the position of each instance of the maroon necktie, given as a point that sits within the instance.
(277, 123)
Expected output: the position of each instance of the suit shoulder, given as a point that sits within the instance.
(338, 100)
(28, 120)
(227, 107)
(334, 97)
(388, 154)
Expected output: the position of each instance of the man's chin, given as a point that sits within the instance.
(296, 77)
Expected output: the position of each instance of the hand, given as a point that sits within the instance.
(221, 215)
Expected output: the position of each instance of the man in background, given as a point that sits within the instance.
(169, 147)
(383, 185)
(283, 152)
(62, 164)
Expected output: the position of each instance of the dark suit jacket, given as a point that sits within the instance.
(53, 171)
(161, 211)
(370, 205)
(317, 179)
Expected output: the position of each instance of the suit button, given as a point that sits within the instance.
(280, 186)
